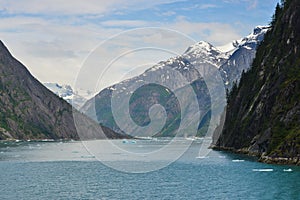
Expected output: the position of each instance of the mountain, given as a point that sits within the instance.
(263, 112)
(199, 65)
(242, 53)
(66, 92)
(30, 111)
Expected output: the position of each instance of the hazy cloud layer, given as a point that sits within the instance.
(54, 37)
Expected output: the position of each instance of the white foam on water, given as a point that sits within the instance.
(237, 160)
(202, 157)
(262, 170)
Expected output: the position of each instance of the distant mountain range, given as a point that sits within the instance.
(200, 59)
(66, 92)
(30, 111)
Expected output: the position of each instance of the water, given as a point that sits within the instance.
(67, 171)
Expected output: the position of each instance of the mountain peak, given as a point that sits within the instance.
(1, 43)
(249, 41)
(4, 52)
(259, 29)
(67, 93)
(201, 46)
(257, 34)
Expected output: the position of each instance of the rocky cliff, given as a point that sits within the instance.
(263, 112)
(28, 110)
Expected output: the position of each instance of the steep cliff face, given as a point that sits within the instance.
(30, 111)
(263, 112)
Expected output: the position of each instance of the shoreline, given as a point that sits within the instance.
(37, 140)
(244, 151)
(260, 157)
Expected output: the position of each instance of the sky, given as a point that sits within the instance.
(54, 38)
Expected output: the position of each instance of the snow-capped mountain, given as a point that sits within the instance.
(200, 59)
(256, 36)
(204, 52)
(63, 91)
(242, 53)
(66, 92)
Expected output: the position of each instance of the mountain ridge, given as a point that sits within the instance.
(200, 59)
(30, 111)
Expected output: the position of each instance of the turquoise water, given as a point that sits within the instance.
(67, 171)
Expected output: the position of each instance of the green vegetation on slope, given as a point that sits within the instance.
(263, 112)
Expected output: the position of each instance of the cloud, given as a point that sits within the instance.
(54, 38)
(206, 6)
(75, 7)
(200, 6)
(167, 13)
(51, 51)
(253, 4)
(55, 52)
(124, 23)
(56, 6)
(114, 58)
(213, 32)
